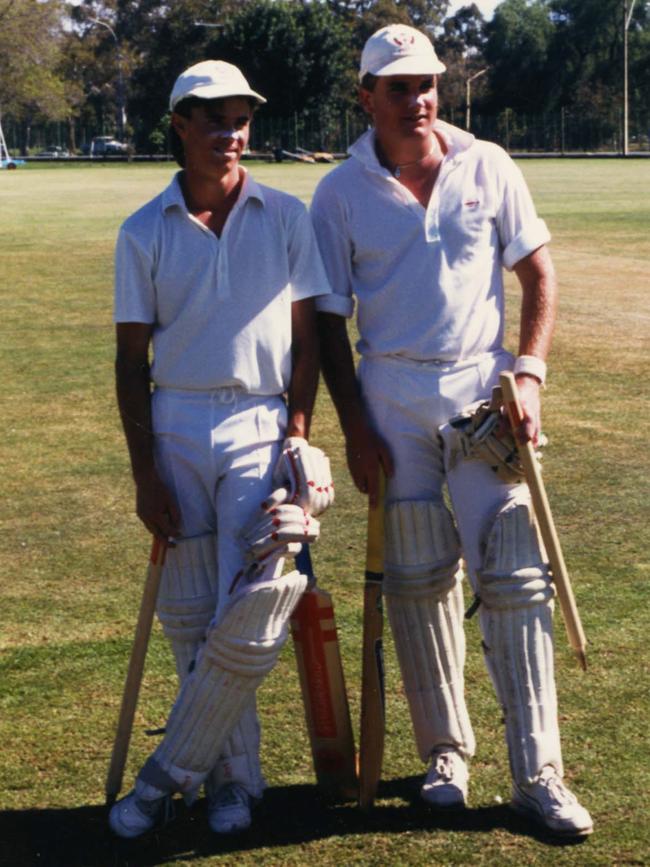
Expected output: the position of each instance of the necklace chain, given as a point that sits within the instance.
(397, 171)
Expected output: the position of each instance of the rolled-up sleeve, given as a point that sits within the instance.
(521, 231)
(335, 247)
(307, 273)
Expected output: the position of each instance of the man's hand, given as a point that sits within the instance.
(366, 453)
(529, 430)
(156, 508)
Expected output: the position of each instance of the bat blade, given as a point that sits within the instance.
(545, 523)
(322, 684)
(371, 746)
(134, 674)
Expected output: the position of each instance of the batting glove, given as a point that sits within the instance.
(305, 471)
(280, 529)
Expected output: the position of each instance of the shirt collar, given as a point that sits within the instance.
(457, 141)
(172, 196)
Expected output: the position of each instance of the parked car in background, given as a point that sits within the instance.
(105, 145)
(53, 153)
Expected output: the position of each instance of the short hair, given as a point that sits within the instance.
(185, 107)
(369, 82)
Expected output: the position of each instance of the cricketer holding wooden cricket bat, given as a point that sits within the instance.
(218, 274)
(417, 226)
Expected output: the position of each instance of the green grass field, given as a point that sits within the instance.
(72, 556)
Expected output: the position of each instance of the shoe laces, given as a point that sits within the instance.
(444, 765)
(159, 809)
(557, 792)
(230, 795)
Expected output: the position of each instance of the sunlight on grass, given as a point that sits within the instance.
(72, 555)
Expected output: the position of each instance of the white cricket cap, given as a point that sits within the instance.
(212, 79)
(399, 50)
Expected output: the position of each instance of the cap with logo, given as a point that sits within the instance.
(212, 79)
(399, 50)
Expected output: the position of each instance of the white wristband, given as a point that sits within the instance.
(531, 365)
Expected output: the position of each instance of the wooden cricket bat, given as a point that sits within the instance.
(545, 522)
(371, 745)
(134, 674)
(322, 683)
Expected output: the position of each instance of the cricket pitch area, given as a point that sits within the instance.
(73, 556)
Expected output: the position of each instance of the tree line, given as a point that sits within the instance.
(108, 65)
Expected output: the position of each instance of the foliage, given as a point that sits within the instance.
(517, 50)
(30, 45)
(78, 61)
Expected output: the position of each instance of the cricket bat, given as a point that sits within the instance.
(371, 745)
(134, 674)
(322, 683)
(545, 522)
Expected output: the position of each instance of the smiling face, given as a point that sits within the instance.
(215, 134)
(402, 107)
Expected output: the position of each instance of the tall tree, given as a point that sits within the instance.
(519, 40)
(460, 46)
(30, 43)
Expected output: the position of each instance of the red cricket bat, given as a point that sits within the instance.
(323, 686)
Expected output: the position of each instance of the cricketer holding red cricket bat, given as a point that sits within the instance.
(417, 225)
(218, 275)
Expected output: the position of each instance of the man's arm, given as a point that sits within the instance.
(536, 275)
(154, 504)
(305, 359)
(365, 449)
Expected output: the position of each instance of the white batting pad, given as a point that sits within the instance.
(188, 597)
(424, 600)
(239, 758)
(306, 471)
(240, 650)
(516, 619)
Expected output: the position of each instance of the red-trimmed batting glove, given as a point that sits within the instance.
(305, 471)
(279, 528)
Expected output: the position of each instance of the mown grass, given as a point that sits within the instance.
(72, 555)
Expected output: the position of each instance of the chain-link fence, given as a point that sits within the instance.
(561, 132)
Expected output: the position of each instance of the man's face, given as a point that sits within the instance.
(216, 133)
(402, 106)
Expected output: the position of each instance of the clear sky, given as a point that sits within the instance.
(486, 6)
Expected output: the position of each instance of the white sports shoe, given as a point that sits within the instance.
(551, 804)
(445, 786)
(229, 811)
(134, 815)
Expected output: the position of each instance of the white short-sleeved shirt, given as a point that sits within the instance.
(428, 282)
(221, 307)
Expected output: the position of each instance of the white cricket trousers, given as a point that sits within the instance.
(408, 402)
(216, 451)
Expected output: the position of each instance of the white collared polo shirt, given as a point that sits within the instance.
(220, 306)
(428, 281)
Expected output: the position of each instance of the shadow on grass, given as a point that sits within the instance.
(288, 816)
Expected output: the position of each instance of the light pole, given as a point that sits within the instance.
(468, 95)
(121, 119)
(628, 8)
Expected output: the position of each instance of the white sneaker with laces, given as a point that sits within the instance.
(229, 811)
(548, 801)
(134, 814)
(445, 786)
